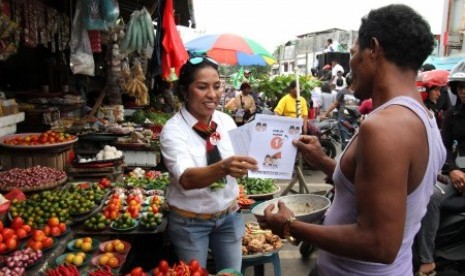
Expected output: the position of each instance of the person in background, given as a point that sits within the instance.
(203, 189)
(384, 178)
(431, 102)
(327, 97)
(453, 136)
(344, 97)
(325, 73)
(244, 103)
(335, 68)
(340, 81)
(287, 105)
(444, 102)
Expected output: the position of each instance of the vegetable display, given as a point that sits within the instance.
(150, 180)
(256, 186)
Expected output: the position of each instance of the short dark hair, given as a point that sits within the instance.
(245, 85)
(427, 67)
(293, 84)
(403, 34)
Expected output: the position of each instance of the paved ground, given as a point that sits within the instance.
(292, 262)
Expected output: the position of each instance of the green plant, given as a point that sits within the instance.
(276, 87)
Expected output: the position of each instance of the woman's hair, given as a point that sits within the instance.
(189, 72)
(404, 35)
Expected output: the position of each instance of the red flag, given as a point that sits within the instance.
(174, 53)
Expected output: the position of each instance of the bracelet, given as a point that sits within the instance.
(287, 231)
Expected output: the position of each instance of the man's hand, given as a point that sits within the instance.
(311, 150)
(457, 178)
(276, 221)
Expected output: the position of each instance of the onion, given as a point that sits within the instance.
(10, 263)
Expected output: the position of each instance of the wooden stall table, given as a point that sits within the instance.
(57, 155)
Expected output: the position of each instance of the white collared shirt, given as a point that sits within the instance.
(183, 148)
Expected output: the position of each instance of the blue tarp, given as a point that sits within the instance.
(445, 63)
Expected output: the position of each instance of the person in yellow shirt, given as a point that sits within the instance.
(287, 106)
(243, 105)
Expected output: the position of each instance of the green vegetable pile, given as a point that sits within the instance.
(158, 183)
(257, 186)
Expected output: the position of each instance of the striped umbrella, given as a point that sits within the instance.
(231, 49)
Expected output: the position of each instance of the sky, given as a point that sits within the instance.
(274, 22)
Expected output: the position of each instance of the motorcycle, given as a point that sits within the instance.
(450, 244)
(328, 134)
(449, 251)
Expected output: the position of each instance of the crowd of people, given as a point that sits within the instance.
(383, 180)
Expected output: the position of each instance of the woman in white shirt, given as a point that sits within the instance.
(199, 155)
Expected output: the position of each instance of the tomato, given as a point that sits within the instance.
(27, 228)
(11, 244)
(53, 221)
(38, 235)
(62, 227)
(7, 233)
(163, 266)
(47, 242)
(194, 265)
(1, 225)
(21, 233)
(2, 247)
(55, 231)
(137, 271)
(17, 223)
(36, 245)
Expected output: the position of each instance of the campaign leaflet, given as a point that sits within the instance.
(268, 139)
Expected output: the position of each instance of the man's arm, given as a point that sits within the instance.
(381, 166)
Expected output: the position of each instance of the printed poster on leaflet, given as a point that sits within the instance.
(271, 145)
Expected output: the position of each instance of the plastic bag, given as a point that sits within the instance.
(82, 60)
(92, 15)
(110, 11)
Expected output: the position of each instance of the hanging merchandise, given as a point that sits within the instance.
(136, 86)
(140, 32)
(100, 14)
(82, 60)
(95, 41)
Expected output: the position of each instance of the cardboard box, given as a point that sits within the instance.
(9, 107)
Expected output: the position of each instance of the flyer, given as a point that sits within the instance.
(268, 139)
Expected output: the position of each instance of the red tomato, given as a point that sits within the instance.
(1, 225)
(17, 223)
(11, 244)
(47, 242)
(137, 271)
(27, 228)
(194, 265)
(55, 231)
(163, 266)
(2, 247)
(7, 233)
(62, 227)
(21, 233)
